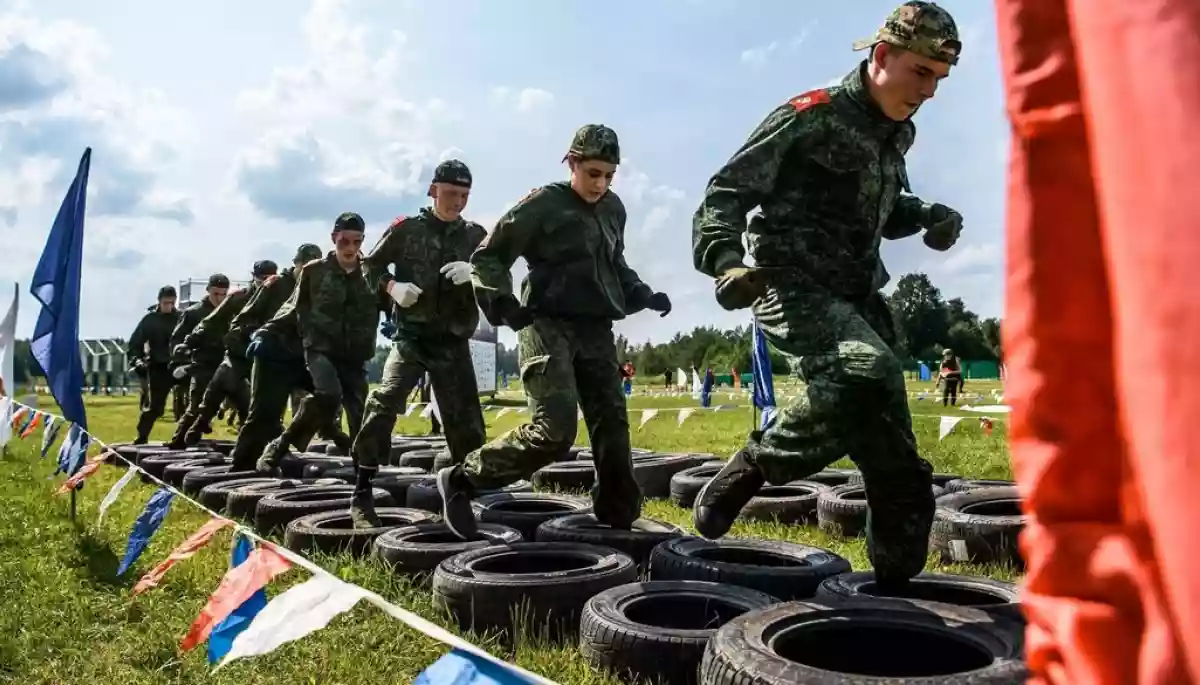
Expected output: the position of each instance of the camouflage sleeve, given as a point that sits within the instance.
(286, 320)
(635, 291)
(491, 263)
(382, 256)
(907, 218)
(741, 185)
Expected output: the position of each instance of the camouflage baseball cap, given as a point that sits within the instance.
(264, 267)
(306, 253)
(349, 221)
(920, 27)
(453, 172)
(596, 141)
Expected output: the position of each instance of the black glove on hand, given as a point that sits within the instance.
(945, 225)
(512, 314)
(659, 302)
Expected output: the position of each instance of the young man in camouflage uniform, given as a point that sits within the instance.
(197, 372)
(333, 314)
(435, 315)
(150, 349)
(271, 379)
(572, 235)
(827, 170)
(230, 378)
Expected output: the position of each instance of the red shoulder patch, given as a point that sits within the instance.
(397, 221)
(270, 279)
(812, 98)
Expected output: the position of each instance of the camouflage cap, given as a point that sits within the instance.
(453, 172)
(218, 281)
(349, 221)
(306, 253)
(920, 27)
(596, 141)
(263, 268)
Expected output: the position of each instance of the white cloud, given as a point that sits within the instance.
(524, 101)
(757, 56)
(967, 259)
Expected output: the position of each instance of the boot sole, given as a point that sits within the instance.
(443, 485)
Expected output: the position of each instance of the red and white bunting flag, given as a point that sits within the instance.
(184, 551)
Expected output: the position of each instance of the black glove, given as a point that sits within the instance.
(945, 225)
(512, 314)
(659, 302)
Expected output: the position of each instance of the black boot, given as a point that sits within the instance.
(721, 499)
(362, 506)
(456, 491)
(273, 453)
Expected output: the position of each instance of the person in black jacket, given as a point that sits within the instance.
(150, 353)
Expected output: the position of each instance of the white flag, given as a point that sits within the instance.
(948, 424)
(302, 609)
(647, 414)
(684, 413)
(503, 411)
(8, 346)
(115, 492)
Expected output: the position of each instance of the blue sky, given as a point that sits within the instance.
(228, 132)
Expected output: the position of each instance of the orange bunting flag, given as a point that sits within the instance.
(80, 476)
(18, 415)
(33, 423)
(239, 583)
(184, 551)
(105, 454)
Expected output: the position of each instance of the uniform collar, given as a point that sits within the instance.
(855, 86)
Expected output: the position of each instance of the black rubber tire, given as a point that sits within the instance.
(422, 459)
(318, 447)
(224, 447)
(794, 502)
(333, 531)
(198, 479)
(979, 526)
(421, 547)
(995, 597)
(123, 449)
(782, 569)
(863, 641)
(423, 494)
(686, 484)
(653, 475)
(939, 479)
(174, 474)
(544, 585)
(317, 468)
(242, 502)
(276, 510)
(155, 463)
(656, 631)
(832, 477)
(402, 447)
(441, 461)
(842, 510)
(525, 511)
(346, 474)
(558, 476)
(292, 465)
(644, 536)
(964, 484)
(216, 495)
(332, 450)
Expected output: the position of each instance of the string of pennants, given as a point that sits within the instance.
(238, 621)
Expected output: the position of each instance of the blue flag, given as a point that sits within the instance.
(145, 526)
(55, 284)
(764, 384)
(463, 668)
(221, 637)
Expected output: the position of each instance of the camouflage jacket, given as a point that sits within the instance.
(416, 248)
(827, 169)
(191, 318)
(263, 304)
(576, 256)
(207, 339)
(331, 311)
(153, 331)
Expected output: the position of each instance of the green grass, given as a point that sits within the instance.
(67, 618)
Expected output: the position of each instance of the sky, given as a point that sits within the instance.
(225, 132)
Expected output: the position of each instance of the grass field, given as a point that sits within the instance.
(67, 618)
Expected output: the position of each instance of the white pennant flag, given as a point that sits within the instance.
(503, 411)
(948, 424)
(6, 410)
(411, 408)
(301, 610)
(579, 416)
(684, 413)
(115, 492)
(647, 414)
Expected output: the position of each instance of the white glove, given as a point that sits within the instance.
(457, 272)
(405, 294)
(179, 372)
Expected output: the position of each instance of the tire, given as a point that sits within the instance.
(842, 510)
(653, 475)
(224, 447)
(346, 474)
(794, 502)
(832, 477)
(644, 536)
(860, 641)
(400, 448)
(782, 569)
(964, 484)
(525, 511)
(318, 447)
(686, 484)
(541, 586)
(333, 450)
(198, 479)
(421, 547)
(241, 502)
(317, 468)
(656, 631)
(333, 531)
(175, 472)
(423, 494)
(155, 463)
(123, 449)
(565, 475)
(277, 509)
(293, 465)
(995, 597)
(216, 495)
(979, 526)
(442, 460)
(939, 479)
(422, 459)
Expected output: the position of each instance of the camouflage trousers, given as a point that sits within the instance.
(200, 375)
(567, 366)
(855, 404)
(230, 381)
(452, 374)
(336, 384)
